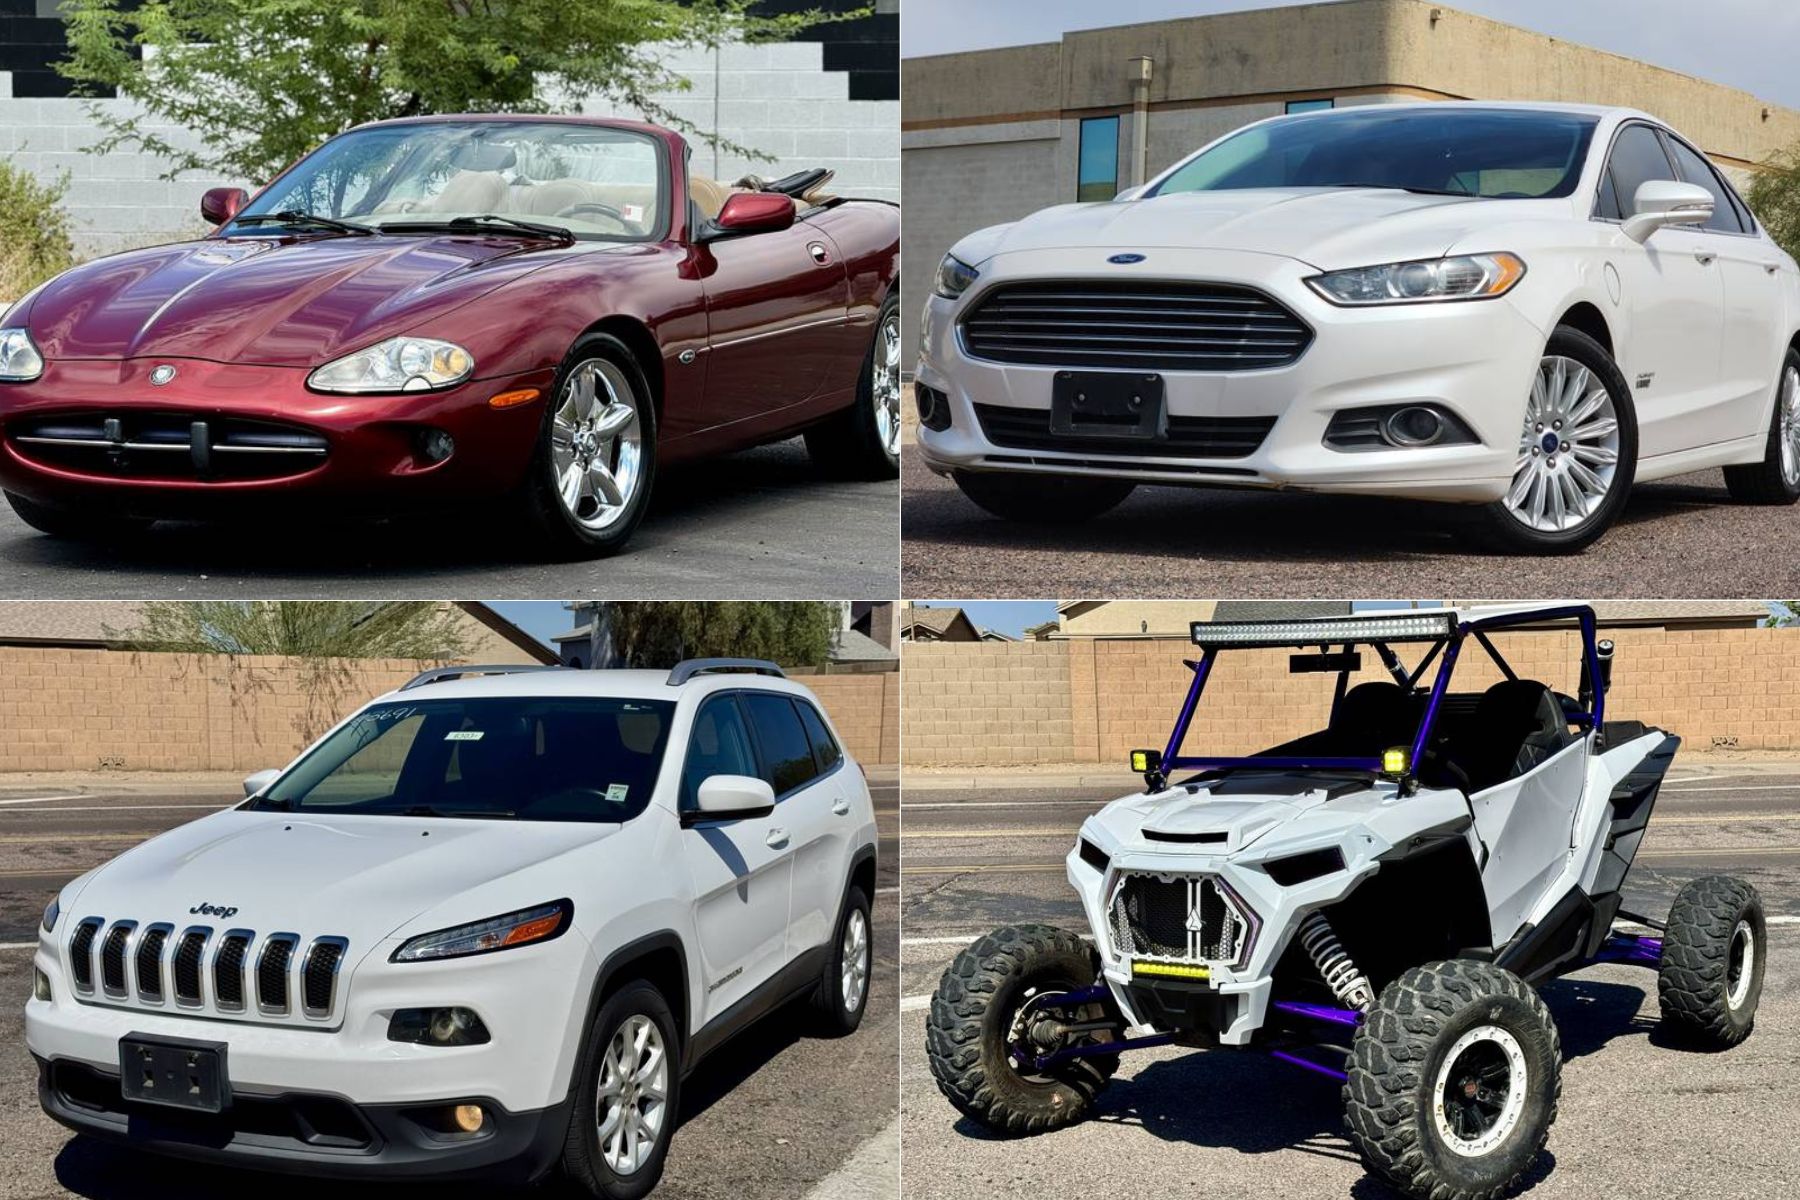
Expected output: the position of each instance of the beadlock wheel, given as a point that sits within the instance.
(1568, 448)
(631, 1105)
(1480, 1090)
(596, 444)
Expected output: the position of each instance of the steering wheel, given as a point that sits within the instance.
(606, 210)
(1434, 754)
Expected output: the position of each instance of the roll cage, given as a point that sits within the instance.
(1443, 632)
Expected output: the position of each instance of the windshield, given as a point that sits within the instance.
(533, 759)
(598, 183)
(1492, 153)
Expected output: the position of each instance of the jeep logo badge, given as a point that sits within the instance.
(213, 910)
(162, 374)
(1125, 259)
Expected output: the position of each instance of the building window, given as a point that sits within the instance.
(1099, 159)
(1299, 106)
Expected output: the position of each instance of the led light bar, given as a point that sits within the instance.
(1141, 966)
(1319, 631)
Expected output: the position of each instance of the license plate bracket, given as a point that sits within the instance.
(1107, 404)
(174, 1072)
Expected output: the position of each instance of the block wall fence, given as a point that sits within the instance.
(965, 704)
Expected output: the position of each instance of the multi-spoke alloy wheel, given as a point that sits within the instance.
(1789, 406)
(1775, 477)
(884, 385)
(1569, 448)
(596, 444)
(853, 975)
(632, 1104)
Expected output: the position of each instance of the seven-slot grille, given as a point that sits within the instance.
(223, 972)
(1184, 918)
(1134, 325)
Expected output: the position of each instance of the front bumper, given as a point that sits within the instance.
(1475, 359)
(373, 461)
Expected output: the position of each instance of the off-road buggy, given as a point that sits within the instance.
(1375, 902)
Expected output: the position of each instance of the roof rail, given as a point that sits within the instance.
(687, 668)
(439, 674)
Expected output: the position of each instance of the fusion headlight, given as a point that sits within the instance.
(1468, 277)
(20, 361)
(954, 277)
(520, 928)
(403, 364)
(50, 915)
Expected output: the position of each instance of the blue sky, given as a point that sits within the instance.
(1748, 44)
(543, 619)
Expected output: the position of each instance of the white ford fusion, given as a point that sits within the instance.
(1519, 307)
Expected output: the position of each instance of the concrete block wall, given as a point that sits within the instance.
(775, 98)
(865, 709)
(985, 702)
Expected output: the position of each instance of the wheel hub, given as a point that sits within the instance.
(1480, 1093)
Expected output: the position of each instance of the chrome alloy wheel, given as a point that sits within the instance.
(633, 1101)
(596, 444)
(885, 384)
(1568, 451)
(1480, 1091)
(1740, 965)
(853, 970)
(1789, 416)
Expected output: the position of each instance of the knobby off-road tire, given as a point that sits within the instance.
(843, 991)
(76, 524)
(1714, 950)
(1043, 499)
(1466, 1030)
(585, 1160)
(966, 1032)
(1776, 479)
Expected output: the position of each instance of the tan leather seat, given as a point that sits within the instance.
(709, 195)
(471, 192)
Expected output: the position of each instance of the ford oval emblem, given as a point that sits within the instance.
(162, 374)
(1123, 259)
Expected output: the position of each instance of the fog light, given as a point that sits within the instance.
(40, 987)
(436, 445)
(1395, 760)
(438, 1027)
(1414, 426)
(934, 407)
(468, 1117)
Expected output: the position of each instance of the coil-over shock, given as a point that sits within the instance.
(1333, 962)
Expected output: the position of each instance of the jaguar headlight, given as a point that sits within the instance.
(402, 364)
(954, 277)
(1424, 281)
(20, 361)
(521, 928)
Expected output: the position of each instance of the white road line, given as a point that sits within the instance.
(914, 1003)
(1748, 787)
(872, 1172)
(906, 808)
(18, 945)
(37, 799)
(137, 808)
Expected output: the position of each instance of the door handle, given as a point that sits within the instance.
(1772, 268)
(841, 807)
(777, 838)
(1704, 257)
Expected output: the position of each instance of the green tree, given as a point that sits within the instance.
(34, 231)
(262, 82)
(1789, 615)
(1775, 198)
(659, 633)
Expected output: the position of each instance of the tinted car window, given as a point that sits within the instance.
(787, 755)
(1695, 169)
(825, 747)
(718, 745)
(1637, 158)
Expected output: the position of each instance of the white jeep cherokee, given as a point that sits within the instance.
(482, 928)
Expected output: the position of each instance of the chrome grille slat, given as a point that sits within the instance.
(112, 959)
(152, 987)
(228, 969)
(273, 966)
(81, 953)
(1195, 326)
(319, 976)
(189, 965)
(1180, 918)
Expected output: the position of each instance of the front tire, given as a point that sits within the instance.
(1577, 453)
(76, 524)
(863, 441)
(843, 992)
(968, 1032)
(1043, 499)
(1453, 1081)
(629, 1098)
(591, 475)
(1714, 950)
(1776, 479)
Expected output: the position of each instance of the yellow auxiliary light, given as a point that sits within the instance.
(1169, 970)
(1146, 760)
(1396, 760)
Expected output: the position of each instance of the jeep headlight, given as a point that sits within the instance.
(521, 928)
(402, 364)
(954, 277)
(20, 361)
(1424, 281)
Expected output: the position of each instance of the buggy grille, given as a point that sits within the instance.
(1182, 918)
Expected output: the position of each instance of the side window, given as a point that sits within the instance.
(825, 747)
(719, 744)
(787, 755)
(1695, 169)
(1637, 158)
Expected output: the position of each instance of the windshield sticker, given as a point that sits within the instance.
(633, 212)
(463, 735)
(616, 792)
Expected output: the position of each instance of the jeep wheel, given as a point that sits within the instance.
(627, 1099)
(1043, 499)
(843, 993)
(978, 1018)
(1714, 949)
(1453, 1081)
(76, 524)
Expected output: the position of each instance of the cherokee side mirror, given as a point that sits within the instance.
(1661, 202)
(220, 204)
(262, 779)
(755, 212)
(733, 797)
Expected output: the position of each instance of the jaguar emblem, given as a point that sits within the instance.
(162, 374)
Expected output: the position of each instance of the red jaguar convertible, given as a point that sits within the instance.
(536, 312)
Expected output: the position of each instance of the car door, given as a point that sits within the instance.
(1754, 342)
(776, 307)
(742, 869)
(1525, 823)
(807, 797)
(1673, 292)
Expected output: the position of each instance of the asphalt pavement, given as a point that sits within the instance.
(1638, 1117)
(762, 524)
(775, 1114)
(1681, 537)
